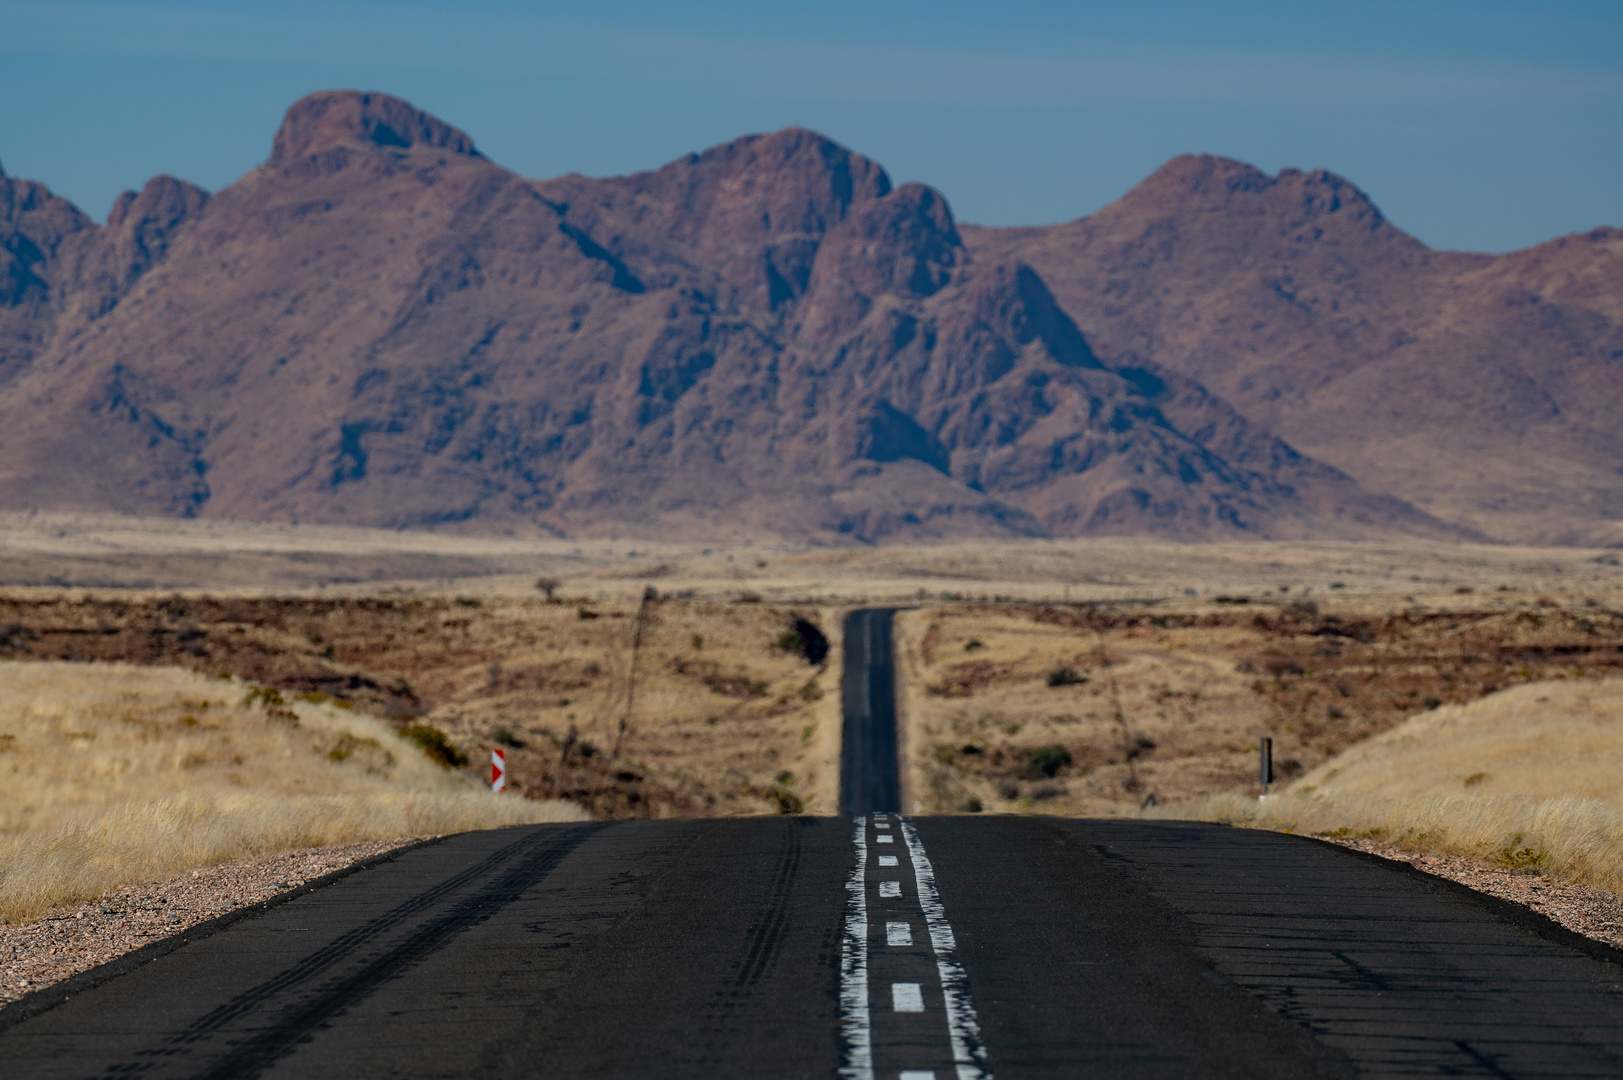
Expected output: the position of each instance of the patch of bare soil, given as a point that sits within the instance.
(74, 939)
(1594, 913)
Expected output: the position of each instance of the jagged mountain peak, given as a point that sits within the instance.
(332, 118)
(1225, 186)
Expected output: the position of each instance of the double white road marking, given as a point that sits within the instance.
(962, 1030)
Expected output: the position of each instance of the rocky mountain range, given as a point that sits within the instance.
(381, 326)
(1478, 388)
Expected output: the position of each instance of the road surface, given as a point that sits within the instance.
(869, 781)
(866, 946)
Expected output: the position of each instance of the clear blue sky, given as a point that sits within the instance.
(1482, 125)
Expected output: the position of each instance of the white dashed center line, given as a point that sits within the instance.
(963, 1028)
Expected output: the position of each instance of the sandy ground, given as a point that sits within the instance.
(59, 551)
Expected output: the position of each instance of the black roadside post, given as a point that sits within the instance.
(1265, 752)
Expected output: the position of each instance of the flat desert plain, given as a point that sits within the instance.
(643, 679)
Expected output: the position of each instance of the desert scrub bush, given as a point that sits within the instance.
(1065, 675)
(434, 744)
(806, 640)
(1047, 761)
(270, 699)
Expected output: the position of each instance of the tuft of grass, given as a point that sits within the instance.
(1517, 854)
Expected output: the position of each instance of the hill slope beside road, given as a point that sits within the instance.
(380, 326)
(1479, 388)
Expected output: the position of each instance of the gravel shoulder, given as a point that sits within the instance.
(74, 939)
(1594, 913)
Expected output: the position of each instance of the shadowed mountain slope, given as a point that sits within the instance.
(1480, 388)
(380, 326)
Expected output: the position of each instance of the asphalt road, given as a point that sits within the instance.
(874, 946)
(868, 776)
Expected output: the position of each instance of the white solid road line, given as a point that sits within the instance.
(898, 933)
(963, 1028)
(906, 997)
(887, 860)
(855, 1026)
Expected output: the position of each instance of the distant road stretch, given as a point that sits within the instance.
(869, 779)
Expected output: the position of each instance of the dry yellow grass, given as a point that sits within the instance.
(111, 774)
(1531, 776)
(1546, 740)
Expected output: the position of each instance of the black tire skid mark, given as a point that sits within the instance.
(757, 955)
(766, 935)
(253, 1055)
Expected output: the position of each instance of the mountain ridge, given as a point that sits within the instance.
(381, 326)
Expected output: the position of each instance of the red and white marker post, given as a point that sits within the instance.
(498, 771)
